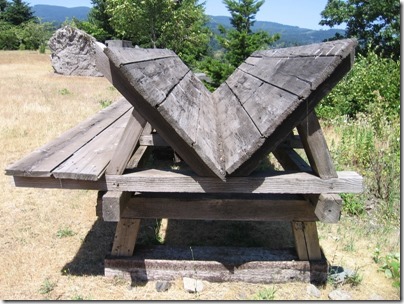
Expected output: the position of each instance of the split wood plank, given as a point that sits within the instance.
(125, 237)
(161, 181)
(215, 207)
(41, 162)
(90, 162)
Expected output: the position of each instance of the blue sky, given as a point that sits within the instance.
(302, 13)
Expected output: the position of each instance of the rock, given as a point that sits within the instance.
(192, 285)
(73, 53)
(339, 294)
(162, 286)
(313, 291)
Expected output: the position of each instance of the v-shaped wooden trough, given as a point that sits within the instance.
(228, 132)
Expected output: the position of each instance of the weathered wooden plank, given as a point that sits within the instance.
(238, 132)
(125, 237)
(160, 181)
(267, 105)
(42, 161)
(90, 162)
(216, 264)
(126, 144)
(316, 146)
(154, 117)
(298, 114)
(339, 48)
(277, 182)
(155, 81)
(267, 208)
(312, 242)
(113, 205)
(123, 56)
(300, 242)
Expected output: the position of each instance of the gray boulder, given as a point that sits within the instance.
(73, 53)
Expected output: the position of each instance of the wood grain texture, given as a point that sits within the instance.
(90, 162)
(126, 144)
(216, 264)
(42, 161)
(161, 181)
(257, 208)
(125, 237)
(276, 182)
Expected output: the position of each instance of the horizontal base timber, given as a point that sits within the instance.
(216, 264)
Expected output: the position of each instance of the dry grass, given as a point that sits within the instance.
(35, 106)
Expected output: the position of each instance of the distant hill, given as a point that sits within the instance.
(59, 14)
(290, 35)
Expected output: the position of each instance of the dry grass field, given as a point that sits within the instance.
(52, 244)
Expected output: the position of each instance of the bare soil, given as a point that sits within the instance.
(53, 245)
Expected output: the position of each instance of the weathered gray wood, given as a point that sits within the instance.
(153, 116)
(306, 240)
(90, 162)
(275, 182)
(267, 208)
(239, 135)
(216, 264)
(113, 205)
(160, 181)
(327, 206)
(125, 237)
(126, 144)
(152, 140)
(42, 161)
(316, 147)
(304, 107)
(137, 55)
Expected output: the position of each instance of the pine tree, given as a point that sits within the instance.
(16, 12)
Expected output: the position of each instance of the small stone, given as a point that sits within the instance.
(313, 291)
(339, 294)
(162, 286)
(192, 285)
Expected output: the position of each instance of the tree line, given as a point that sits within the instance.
(180, 25)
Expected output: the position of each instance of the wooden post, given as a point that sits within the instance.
(306, 241)
(125, 237)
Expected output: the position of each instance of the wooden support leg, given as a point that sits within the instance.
(125, 237)
(306, 240)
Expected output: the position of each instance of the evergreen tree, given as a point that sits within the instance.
(16, 12)
(237, 43)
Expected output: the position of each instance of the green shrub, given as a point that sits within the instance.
(372, 85)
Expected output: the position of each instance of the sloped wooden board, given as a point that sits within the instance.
(228, 132)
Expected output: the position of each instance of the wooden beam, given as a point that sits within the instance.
(253, 208)
(152, 140)
(125, 237)
(316, 147)
(161, 181)
(306, 241)
(327, 206)
(274, 182)
(113, 205)
(216, 264)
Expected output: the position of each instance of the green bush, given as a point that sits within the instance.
(371, 87)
